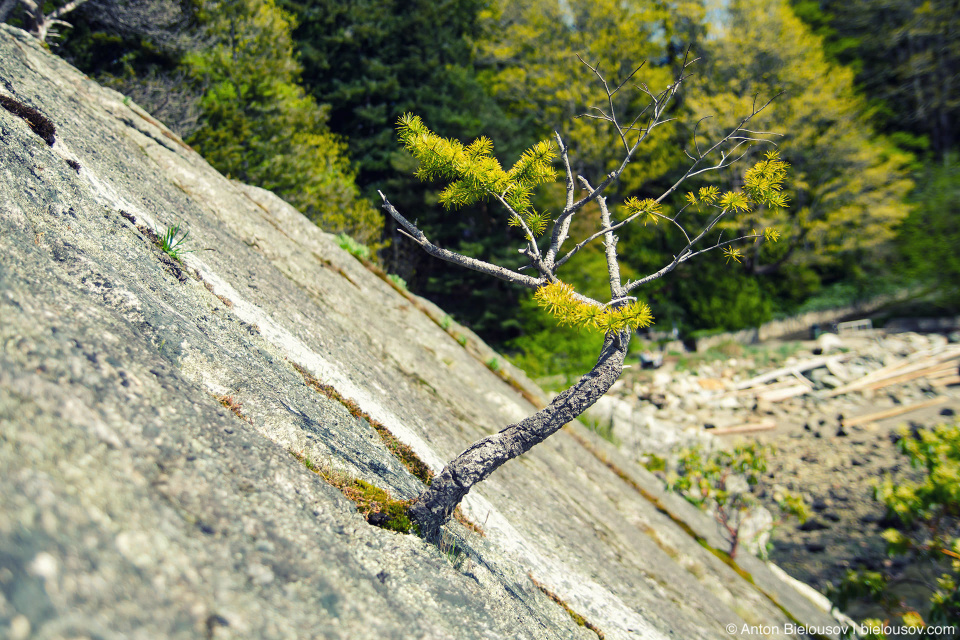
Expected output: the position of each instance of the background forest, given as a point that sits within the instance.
(302, 97)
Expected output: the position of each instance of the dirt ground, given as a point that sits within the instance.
(834, 465)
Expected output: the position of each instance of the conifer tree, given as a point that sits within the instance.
(472, 173)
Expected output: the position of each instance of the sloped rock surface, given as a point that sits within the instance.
(135, 504)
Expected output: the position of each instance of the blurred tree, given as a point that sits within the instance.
(931, 235)
(907, 57)
(135, 48)
(373, 60)
(849, 185)
(529, 59)
(222, 74)
(259, 126)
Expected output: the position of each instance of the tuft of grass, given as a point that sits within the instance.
(451, 551)
(172, 243)
(494, 365)
(353, 247)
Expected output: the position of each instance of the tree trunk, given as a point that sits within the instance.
(482, 458)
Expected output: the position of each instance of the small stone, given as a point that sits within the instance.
(20, 628)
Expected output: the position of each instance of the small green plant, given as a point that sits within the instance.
(493, 364)
(451, 550)
(353, 247)
(446, 323)
(397, 280)
(725, 482)
(655, 463)
(929, 535)
(172, 243)
(462, 339)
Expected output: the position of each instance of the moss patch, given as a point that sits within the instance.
(374, 503)
(579, 619)
(400, 451)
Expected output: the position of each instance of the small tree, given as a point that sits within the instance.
(725, 483)
(474, 174)
(928, 534)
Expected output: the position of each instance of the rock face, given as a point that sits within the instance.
(134, 503)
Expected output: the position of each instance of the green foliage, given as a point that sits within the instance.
(929, 511)
(397, 280)
(544, 349)
(725, 481)
(930, 236)
(716, 295)
(847, 185)
(172, 243)
(259, 126)
(562, 302)
(473, 172)
(354, 248)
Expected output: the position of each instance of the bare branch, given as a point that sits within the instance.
(610, 249)
(412, 232)
(561, 229)
(565, 156)
(690, 172)
(695, 127)
(65, 9)
(612, 118)
(683, 256)
(722, 244)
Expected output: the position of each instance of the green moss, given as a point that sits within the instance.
(374, 503)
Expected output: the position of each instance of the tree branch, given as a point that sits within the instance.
(659, 104)
(464, 261)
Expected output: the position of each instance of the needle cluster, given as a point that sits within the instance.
(475, 174)
(560, 300)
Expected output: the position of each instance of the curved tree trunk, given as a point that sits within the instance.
(482, 458)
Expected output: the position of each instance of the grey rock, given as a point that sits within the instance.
(134, 504)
